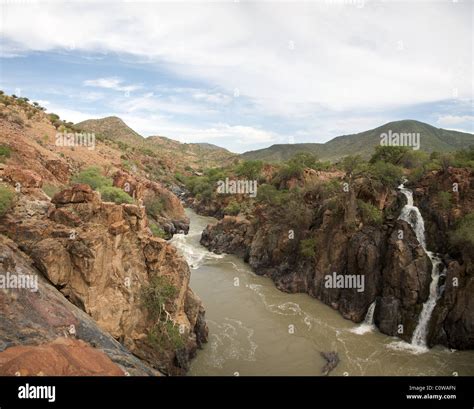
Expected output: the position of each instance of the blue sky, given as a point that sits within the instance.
(243, 75)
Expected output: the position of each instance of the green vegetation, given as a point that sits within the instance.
(364, 143)
(5, 152)
(114, 194)
(386, 173)
(307, 247)
(50, 189)
(269, 194)
(370, 213)
(249, 169)
(93, 177)
(157, 231)
(390, 154)
(157, 294)
(232, 209)
(154, 206)
(164, 334)
(7, 196)
(445, 200)
(464, 232)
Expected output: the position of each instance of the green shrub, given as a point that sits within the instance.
(5, 152)
(389, 154)
(370, 213)
(50, 189)
(164, 336)
(464, 158)
(350, 163)
(445, 200)
(6, 199)
(289, 171)
(157, 294)
(271, 195)
(154, 206)
(307, 247)
(157, 231)
(250, 169)
(232, 209)
(305, 160)
(92, 176)
(53, 117)
(386, 173)
(114, 194)
(464, 232)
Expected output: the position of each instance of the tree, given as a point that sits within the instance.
(250, 169)
(390, 154)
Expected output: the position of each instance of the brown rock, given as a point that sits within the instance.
(79, 193)
(26, 178)
(62, 357)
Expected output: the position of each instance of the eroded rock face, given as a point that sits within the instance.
(397, 272)
(102, 265)
(173, 218)
(62, 357)
(38, 318)
(22, 177)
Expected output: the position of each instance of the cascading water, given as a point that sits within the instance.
(368, 324)
(411, 214)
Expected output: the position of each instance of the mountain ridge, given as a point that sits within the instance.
(363, 143)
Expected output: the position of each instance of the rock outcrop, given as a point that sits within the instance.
(39, 315)
(62, 357)
(101, 257)
(395, 268)
(172, 217)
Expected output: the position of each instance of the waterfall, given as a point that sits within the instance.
(368, 324)
(411, 214)
(369, 317)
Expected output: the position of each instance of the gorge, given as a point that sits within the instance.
(255, 329)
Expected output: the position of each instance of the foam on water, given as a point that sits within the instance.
(195, 256)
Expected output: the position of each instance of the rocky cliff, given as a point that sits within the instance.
(104, 278)
(338, 238)
(100, 256)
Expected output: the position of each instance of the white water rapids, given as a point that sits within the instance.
(255, 329)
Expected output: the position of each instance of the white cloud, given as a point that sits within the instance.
(213, 98)
(449, 120)
(113, 83)
(380, 56)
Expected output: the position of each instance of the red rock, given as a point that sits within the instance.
(79, 193)
(62, 357)
(26, 178)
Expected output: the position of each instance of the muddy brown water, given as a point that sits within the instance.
(255, 329)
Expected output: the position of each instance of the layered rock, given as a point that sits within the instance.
(395, 268)
(34, 318)
(101, 256)
(172, 217)
(62, 357)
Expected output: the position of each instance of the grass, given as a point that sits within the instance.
(7, 196)
(5, 152)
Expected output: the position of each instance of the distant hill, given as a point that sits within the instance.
(112, 127)
(364, 143)
(194, 155)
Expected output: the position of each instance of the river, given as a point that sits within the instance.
(255, 329)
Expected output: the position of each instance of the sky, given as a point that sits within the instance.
(243, 74)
